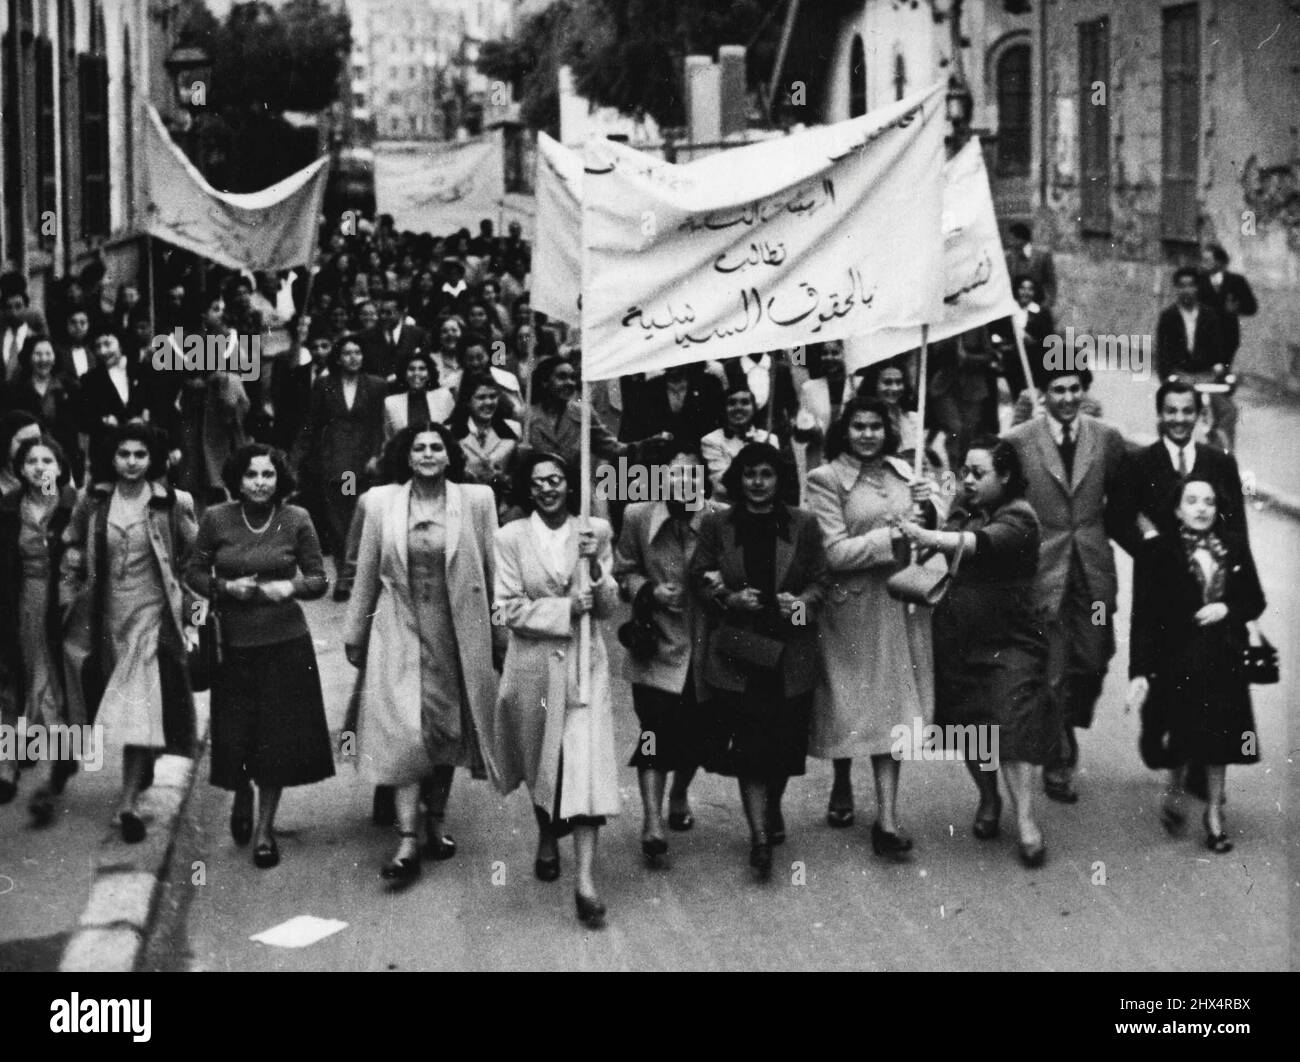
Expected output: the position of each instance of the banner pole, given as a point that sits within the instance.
(1024, 366)
(918, 459)
(153, 292)
(771, 392)
(584, 574)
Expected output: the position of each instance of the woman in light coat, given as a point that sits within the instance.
(424, 584)
(878, 661)
(540, 736)
(422, 402)
(655, 548)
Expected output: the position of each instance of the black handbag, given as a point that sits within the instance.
(746, 648)
(1260, 662)
(205, 657)
(641, 636)
(918, 585)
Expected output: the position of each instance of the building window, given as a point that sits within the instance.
(1180, 122)
(900, 77)
(1094, 125)
(1013, 91)
(47, 205)
(857, 78)
(92, 78)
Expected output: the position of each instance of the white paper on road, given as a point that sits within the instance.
(557, 250)
(977, 289)
(441, 187)
(301, 931)
(273, 229)
(822, 235)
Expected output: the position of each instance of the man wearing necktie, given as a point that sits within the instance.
(17, 321)
(1077, 469)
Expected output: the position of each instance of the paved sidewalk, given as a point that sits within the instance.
(1268, 433)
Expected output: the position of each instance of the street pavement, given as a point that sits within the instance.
(1116, 893)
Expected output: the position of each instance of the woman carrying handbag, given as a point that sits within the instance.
(760, 571)
(1193, 596)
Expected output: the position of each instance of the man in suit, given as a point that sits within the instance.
(1191, 343)
(1156, 471)
(74, 357)
(392, 341)
(685, 401)
(111, 395)
(759, 372)
(1024, 259)
(1228, 293)
(18, 321)
(1077, 469)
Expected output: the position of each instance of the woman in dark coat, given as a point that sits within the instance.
(1192, 598)
(45, 393)
(990, 648)
(760, 569)
(32, 521)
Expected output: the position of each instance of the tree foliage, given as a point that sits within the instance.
(530, 63)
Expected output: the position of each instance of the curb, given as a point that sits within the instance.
(127, 880)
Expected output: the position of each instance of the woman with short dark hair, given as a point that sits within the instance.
(876, 651)
(125, 646)
(564, 756)
(32, 520)
(990, 647)
(253, 558)
(40, 389)
(760, 570)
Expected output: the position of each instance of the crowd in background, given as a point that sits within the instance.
(413, 417)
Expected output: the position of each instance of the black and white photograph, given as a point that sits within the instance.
(721, 486)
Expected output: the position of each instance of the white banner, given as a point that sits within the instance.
(272, 229)
(977, 289)
(822, 235)
(441, 187)
(557, 250)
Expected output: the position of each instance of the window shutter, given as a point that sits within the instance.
(1180, 123)
(94, 145)
(46, 184)
(1013, 145)
(1094, 127)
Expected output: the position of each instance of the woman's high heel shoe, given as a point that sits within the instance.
(760, 858)
(133, 831)
(440, 845)
(241, 817)
(591, 912)
(1172, 819)
(266, 855)
(986, 828)
(404, 868)
(653, 850)
(1216, 842)
(893, 845)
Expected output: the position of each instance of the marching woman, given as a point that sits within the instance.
(990, 648)
(422, 402)
(125, 647)
(41, 390)
(720, 446)
(420, 624)
(32, 520)
(253, 558)
(1192, 597)
(655, 548)
(541, 736)
(760, 568)
(877, 656)
(487, 436)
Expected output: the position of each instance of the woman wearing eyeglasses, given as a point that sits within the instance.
(540, 736)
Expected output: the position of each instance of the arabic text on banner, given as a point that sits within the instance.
(273, 229)
(441, 187)
(977, 289)
(825, 234)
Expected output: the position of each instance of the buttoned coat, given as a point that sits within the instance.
(87, 643)
(538, 726)
(1080, 515)
(800, 570)
(648, 555)
(381, 620)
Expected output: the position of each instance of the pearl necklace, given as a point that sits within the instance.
(256, 530)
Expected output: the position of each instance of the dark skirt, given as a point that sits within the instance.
(993, 676)
(760, 733)
(268, 717)
(672, 728)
